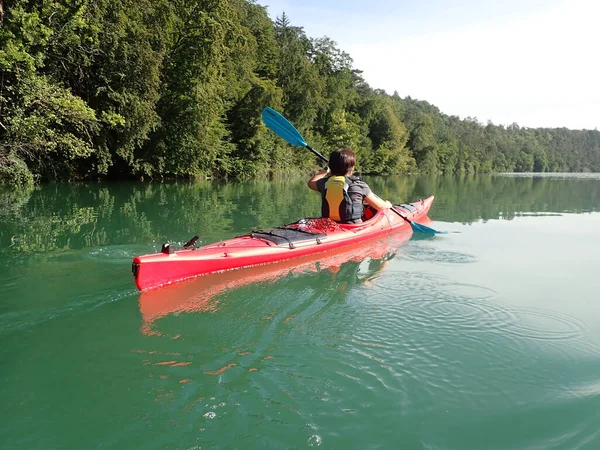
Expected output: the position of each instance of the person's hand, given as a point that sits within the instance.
(388, 204)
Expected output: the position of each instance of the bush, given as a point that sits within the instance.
(14, 172)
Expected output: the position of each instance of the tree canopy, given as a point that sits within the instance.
(164, 89)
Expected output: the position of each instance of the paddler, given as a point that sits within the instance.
(343, 193)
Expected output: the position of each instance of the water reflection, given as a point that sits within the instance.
(60, 218)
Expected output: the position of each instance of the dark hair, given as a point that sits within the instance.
(341, 161)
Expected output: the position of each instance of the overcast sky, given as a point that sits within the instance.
(533, 62)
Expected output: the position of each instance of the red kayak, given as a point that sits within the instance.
(305, 237)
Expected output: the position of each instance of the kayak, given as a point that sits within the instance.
(310, 236)
(302, 238)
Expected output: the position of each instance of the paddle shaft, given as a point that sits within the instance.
(316, 153)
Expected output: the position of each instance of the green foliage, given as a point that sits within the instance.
(298, 77)
(48, 127)
(14, 172)
(209, 66)
(122, 79)
(389, 137)
(154, 89)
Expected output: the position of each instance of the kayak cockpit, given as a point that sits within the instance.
(288, 235)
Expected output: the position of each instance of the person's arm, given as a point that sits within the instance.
(376, 202)
(312, 183)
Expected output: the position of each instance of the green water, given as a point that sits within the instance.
(484, 338)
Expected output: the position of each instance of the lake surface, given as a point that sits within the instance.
(487, 337)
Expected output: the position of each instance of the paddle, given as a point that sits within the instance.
(284, 129)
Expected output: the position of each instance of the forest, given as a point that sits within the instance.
(173, 89)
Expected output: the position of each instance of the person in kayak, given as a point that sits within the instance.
(343, 193)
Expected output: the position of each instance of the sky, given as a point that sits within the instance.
(531, 62)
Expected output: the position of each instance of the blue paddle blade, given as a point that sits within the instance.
(419, 227)
(282, 127)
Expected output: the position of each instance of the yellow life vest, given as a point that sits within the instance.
(336, 202)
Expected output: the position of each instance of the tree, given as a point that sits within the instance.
(42, 122)
(123, 89)
(297, 75)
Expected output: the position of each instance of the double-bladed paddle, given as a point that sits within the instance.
(284, 129)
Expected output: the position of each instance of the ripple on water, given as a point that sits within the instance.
(116, 254)
(544, 325)
(14, 321)
(425, 251)
(424, 300)
(441, 339)
(551, 331)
